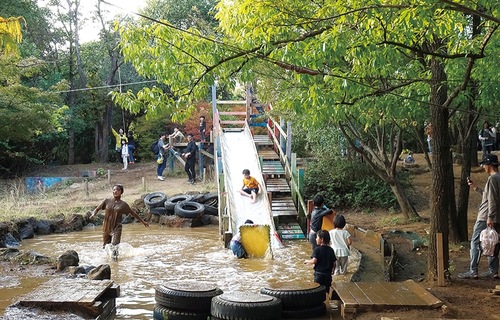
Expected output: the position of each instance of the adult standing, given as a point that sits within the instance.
(162, 156)
(119, 136)
(487, 138)
(428, 132)
(203, 128)
(131, 147)
(114, 208)
(189, 154)
(317, 214)
(488, 216)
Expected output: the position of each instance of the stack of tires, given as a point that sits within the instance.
(184, 206)
(184, 300)
(155, 201)
(245, 306)
(300, 303)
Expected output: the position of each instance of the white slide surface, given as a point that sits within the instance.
(239, 153)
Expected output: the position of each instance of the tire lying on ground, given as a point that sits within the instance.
(189, 209)
(162, 313)
(211, 199)
(299, 303)
(295, 298)
(155, 199)
(192, 296)
(210, 210)
(245, 306)
(199, 197)
(172, 201)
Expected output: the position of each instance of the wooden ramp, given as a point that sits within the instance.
(373, 296)
(92, 299)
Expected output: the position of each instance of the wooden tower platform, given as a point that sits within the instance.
(91, 299)
(373, 296)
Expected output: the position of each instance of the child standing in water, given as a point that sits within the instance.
(341, 243)
(323, 258)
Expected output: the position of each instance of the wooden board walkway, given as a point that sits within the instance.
(272, 168)
(89, 298)
(373, 296)
(262, 140)
(268, 154)
(279, 185)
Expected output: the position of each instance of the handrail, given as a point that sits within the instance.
(286, 163)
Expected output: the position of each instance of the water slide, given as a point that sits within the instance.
(238, 153)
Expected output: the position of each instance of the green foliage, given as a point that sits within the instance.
(347, 183)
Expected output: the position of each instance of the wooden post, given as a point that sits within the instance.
(143, 184)
(109, 176)
(440, 259)
(87, 188)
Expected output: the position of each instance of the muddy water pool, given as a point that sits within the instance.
(155, 255)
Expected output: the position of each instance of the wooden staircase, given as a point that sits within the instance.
(282, 206)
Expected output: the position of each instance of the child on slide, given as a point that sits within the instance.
(250, 186)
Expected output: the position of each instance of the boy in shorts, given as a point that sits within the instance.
(250, 186)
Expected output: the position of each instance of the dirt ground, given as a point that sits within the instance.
(463, 299)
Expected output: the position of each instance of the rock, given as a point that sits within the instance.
(69, 258)
(9, 241)
(31, 257)
(84, 269)
(175, 221)
(102, 272)
(25, 229)
(44, 227)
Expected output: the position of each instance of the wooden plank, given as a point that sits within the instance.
(423, 294)
(404, 296)
(348, 300)
(440, 259)
(385, 291)
(361, 298)
(232, 113)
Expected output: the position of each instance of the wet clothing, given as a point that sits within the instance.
(237, 247)
(325, 260)
(112, 225)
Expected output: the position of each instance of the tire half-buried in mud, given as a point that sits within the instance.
(189, 209)
(245, 306)
(155, 199)
(192, 296)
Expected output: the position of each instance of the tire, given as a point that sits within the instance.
(198, 198)
(211, 199)
(172, 201)
(159, 211)
(246, 306)
(162, 313)
(189, 209)
(155, 199)
(212, 211)
(305, 313)
(297, 299)
(187, 296)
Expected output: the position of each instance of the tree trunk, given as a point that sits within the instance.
(403, 201)
(442, 168)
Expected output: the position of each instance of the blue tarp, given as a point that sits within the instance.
(42, 183)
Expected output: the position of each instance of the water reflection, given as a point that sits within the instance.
(152, 256)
